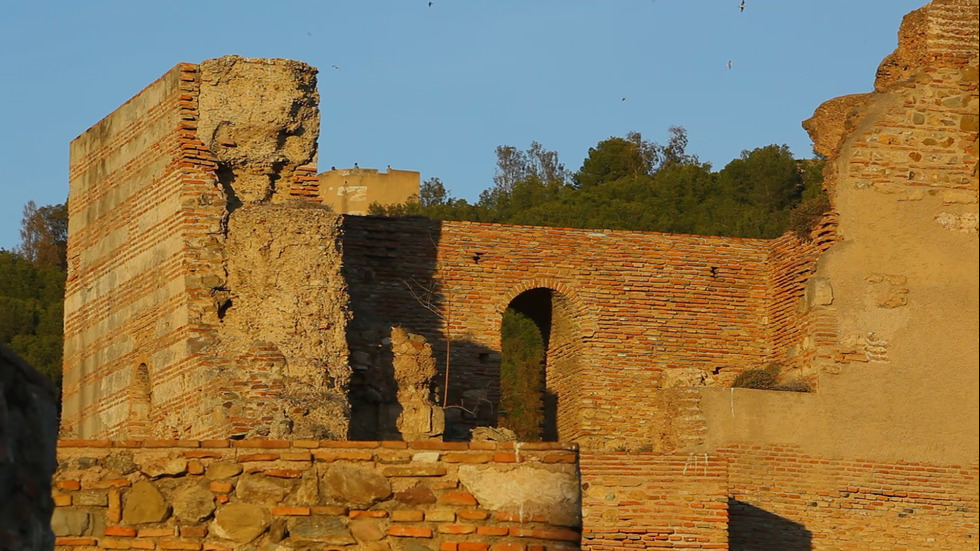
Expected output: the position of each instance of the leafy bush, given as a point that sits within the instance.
(767, 378)
(805, 216)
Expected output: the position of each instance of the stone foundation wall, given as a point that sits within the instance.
(248, 494)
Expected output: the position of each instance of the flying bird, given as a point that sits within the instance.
(729, 64)
(335, 67)
(430, 4)
(741, 7)
(624, 98)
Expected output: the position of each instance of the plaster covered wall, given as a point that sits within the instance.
(897, 362)
(892, 429)
(353, 190)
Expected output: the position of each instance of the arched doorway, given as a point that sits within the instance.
(540, 378)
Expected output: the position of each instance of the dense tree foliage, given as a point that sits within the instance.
(634, 184)
(32, 289)
(44, 234)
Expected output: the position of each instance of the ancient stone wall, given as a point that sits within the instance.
(179, 351)
(28, 434)
(208, 296)
(248, 494)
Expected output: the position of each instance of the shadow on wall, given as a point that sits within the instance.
(753, 529)
(28, 436)
(394, 278)
(389, 265)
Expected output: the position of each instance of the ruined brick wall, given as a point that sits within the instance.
(784, 498)
(632, 311)
(224, 495)
(798, 332)
(646, 500)
(161, 337)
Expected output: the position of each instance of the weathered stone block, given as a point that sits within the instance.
(256, 488)
(193, 503)
(322, 529)
(144, 503)
(240, 522)
(368, 529)
(223, 469)
(528, 489)
(70, 523)
(354, 486)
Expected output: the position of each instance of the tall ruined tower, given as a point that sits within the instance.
(155, 341)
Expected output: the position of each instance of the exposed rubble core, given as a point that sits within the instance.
(285, 263)
(414, 368)
(260, 118)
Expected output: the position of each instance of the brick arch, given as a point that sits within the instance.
(579, 310)
(571, 323)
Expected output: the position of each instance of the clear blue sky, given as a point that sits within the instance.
(437, 88)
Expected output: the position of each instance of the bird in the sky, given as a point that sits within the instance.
(430, 4)
(741, 7)
(624, 98)
(335, 67)
(729, 64)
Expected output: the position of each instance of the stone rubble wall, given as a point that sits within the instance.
(281, 338)
(302, 494)
(28, 435)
